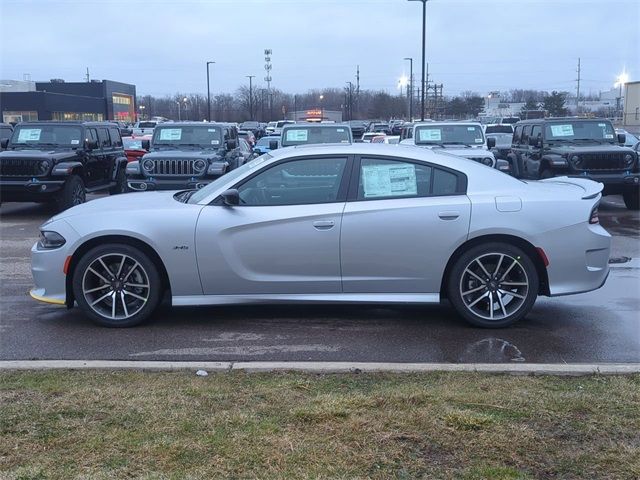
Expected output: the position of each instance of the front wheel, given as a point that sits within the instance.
(546, 173)
(493, 285)
(117, 285)
(73, 193)
(121, 183)
(632, 199)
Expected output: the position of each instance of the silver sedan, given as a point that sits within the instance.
(352, 223)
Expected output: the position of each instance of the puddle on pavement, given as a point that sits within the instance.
(491, 350)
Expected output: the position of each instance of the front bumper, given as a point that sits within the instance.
(141, 183)
(25, 190)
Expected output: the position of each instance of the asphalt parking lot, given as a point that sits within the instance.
(601, 326)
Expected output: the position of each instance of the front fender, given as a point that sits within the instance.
(554, 161)
(64, 169)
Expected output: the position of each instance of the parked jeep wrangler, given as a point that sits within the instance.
(545, 148)
(187, 155)
(61, 162)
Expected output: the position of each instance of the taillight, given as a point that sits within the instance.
(593, 219)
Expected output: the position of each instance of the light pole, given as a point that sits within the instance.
(620, 81)
(321, 108)
(424, 35)
(179, 115)
(410, 88)
(295, 107)
(141, 108)
(208, 94)
(250, 77)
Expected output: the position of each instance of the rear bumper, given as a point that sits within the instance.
(28, 190)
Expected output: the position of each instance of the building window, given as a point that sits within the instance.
(16, 117)
(77, 116)
(123, 108)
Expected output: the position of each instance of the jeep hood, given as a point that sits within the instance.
(56, 156)
(184, 154)
(589, 148)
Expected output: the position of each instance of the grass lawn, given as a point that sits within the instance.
(63, 425)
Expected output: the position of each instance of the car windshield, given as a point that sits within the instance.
(310, 135)
(510, 120)
(146, 124)
(283, 123)
(246, 125)
(499, 129)
(597, 130)
(62, 135)
(132, 143)
(449, 134)
(230, 177)
(193, 135)
(264, 141)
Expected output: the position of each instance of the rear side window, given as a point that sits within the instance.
(526, 132)
(92, 135)
(444, 183)
(116, 140)
(536, 132)
(516, 134)
(103, 138)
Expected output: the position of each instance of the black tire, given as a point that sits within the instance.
(632, 199)
(121, 183)
(111, 254)
(546, 173)
(505, 309)
(73, 193)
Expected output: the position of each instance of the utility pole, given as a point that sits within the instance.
(350, 101)
(410, 88)
(357, 88)
(267, 78)
(250, 77)
(424, 55)
(578, 89)
(208, 94)
(88, 80)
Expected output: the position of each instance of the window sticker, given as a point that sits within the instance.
(608, 135)
(603, 125)
(340, 130)
(215, 142)
(562, 130)
(389, 180)
(471, 129)
(430, 135)
(211, 129)
(297, 135)
(171, 134)
(479, 140)
(29, 134)
(75, 142)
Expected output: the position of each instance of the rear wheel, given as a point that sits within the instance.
(546, 173)
(493, 285)
(117, 285)
(73, 193)
(632, 199)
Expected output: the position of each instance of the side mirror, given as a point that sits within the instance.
(231, 197)
(146, 145)
(4, 143)
(232, 144)
(91, 144)
(622, 138)
(273, 144)
(534, 142)
(491, 142)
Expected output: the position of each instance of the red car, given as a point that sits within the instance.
(133, 147)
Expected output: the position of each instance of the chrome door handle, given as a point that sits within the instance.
(448, 215)
(323, 224)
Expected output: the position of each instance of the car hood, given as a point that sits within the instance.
(184, 154)
(128, 202)
(56, 156)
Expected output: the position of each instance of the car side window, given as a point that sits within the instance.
(116, 140)
(444, 182)
(516, 135)
(526, 132)
(536, 132)
(103, 138)
(298, 182)
(92, 136)
(386, 179)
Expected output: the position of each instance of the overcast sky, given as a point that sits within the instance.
(161, 46)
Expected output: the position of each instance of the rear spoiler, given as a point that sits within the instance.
(591, 189)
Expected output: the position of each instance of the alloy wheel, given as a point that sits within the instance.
(116, 286)
(494, 286)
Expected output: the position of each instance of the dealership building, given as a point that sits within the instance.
(59, 100)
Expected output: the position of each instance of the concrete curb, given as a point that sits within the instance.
(328, 367)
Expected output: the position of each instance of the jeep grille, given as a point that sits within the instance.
(20, 167)
(601, 161)
(174, 167)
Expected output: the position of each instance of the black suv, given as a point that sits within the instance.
(61, 162)
(6, 129)
(545, 148)
(187, 155)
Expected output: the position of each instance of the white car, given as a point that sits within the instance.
(464, 139)
(367, 137)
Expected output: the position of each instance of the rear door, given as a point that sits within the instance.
(401, 224)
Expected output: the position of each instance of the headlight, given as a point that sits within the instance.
(488, 161)
(628, 160)
(200, 165)
(49, 240)
(148, 165)
(575, 159)
(133, 168)
(43, 166)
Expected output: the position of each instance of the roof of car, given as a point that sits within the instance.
(561, 119)
(69, 122)
(187, 123)
(314, 125)
(435, 124)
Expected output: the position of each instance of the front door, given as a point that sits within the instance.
(401, 227)
(283, 238)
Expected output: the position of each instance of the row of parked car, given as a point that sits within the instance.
(62, 161)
